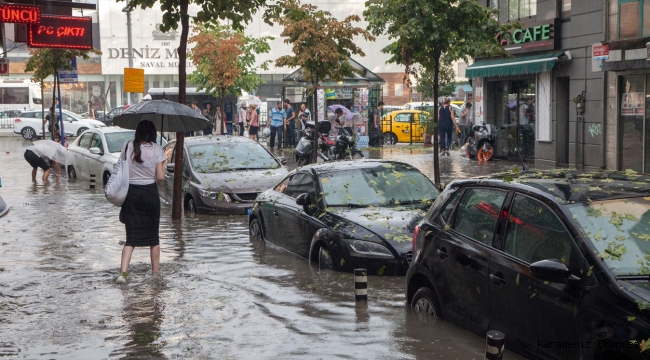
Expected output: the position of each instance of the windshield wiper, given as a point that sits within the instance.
(355, 206)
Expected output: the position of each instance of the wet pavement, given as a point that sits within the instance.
(219, 296)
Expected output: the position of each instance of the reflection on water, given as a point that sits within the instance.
(219, 296)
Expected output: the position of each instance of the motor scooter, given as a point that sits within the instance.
(481, 142)
(305, 147)
(345, 145)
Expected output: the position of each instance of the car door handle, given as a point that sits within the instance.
(498, 280)
(442, 253)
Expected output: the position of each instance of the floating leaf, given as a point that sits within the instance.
(381, 270)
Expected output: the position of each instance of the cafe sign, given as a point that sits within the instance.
(538, 36)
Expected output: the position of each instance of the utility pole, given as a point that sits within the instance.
(127, 10)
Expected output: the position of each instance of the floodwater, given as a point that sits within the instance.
(218, 296)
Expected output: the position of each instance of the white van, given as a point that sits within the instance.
(20, 94)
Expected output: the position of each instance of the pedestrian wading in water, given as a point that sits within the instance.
(140, 212)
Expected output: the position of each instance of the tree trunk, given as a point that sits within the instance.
(177, 205)
(436, 160)
(52, 114)
(315, 117)
(43, 107)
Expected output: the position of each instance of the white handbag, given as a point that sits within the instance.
(117, 185)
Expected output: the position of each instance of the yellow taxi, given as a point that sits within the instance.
(398, 125)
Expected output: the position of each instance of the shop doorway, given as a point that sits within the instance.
(514, 113)
(562, 101)
(634, 129)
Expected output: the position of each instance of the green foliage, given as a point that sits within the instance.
(321, 44)
(447, 82)
(211, 38)
(44, 62)
(237, 12)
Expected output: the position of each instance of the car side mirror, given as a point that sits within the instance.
(550, 270)
(170, 168)
(282, 160)
(303, 200)
(95, 150)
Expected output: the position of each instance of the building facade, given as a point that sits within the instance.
(547, 100)
(626, 68)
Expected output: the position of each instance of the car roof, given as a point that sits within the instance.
(569, 186)
(197, 140)
(405, 112)
(111, 129)
(354, 164)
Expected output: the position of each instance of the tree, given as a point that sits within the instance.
(225, 60)
(430, 33)
(321, 44)
(237, 12)
(45, 62)
(447, 82)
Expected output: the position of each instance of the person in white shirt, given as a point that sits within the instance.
(241, 119)
(140, 212)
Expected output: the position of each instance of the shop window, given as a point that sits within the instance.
(633, 18)
(515, 10)
(399, 89)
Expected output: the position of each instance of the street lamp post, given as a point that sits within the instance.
(127, 10)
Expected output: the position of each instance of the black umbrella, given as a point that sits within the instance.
(168, 116)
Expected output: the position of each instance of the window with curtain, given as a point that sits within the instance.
(514, 10)
(633, 18)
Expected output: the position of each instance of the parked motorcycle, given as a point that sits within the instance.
(305, 147)
(481, 142)
(345, 145)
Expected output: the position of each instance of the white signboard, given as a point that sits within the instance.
(478, 98)
(320, 103)
(154, 51)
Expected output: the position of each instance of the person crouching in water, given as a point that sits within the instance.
(140, 212)
(37, 160)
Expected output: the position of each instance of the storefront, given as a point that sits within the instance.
(545, 101)
(360, 94)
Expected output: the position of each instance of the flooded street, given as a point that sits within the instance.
(218, 296)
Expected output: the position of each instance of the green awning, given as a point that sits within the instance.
(520, 66)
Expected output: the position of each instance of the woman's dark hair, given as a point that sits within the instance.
(144, 133)
(468, 104)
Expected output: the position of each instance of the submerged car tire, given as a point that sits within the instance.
(256, 235)
(390, 138)
(28, 133)
(425, 305)
(82, 129)
(105, 177)
(325, 260)
(72, 174)
(355, 155)
(190, 206)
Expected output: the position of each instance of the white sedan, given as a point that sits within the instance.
(96, 151)
(29, 124)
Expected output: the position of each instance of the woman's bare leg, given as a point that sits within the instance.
(155, 259)
(126, 258)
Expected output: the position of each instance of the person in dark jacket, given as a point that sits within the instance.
(446, 124)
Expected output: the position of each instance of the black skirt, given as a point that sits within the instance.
(141, 215)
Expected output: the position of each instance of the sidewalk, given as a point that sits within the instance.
(8, 132)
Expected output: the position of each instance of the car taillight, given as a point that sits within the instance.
(17, 120)
(415, 237)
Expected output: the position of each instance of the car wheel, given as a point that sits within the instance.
(255, 232)
(81, 130)
(486, 152)
(28, 133)
(425, 305)
(390, 139)
(325, 258)
(356, 155)
(72, 174)
(191, 206)
(105, 178)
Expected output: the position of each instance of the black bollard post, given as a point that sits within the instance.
(92, 181)
(360, 285)
(494, 345)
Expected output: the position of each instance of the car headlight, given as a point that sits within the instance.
(95, 126)
(369, 248)
(219, 196)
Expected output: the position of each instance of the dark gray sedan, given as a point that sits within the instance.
(222, 174)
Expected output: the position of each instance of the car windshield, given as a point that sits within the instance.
(389, 184)
(115, 141)
(231, 155)
(620, 231)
